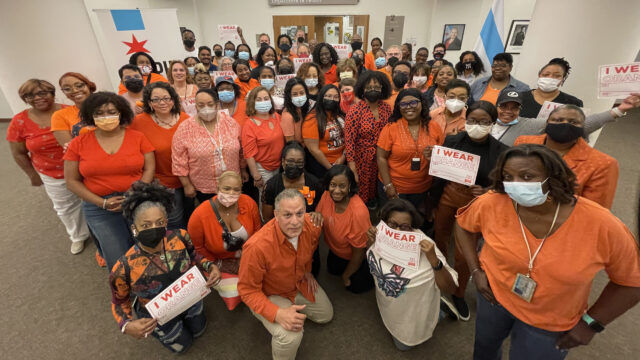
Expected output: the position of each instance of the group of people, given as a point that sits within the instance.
(241, 178)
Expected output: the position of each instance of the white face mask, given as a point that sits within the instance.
(268, 63)
(207, 113)
(419, 80)
(548, 84)
(454, 105)
(346, 75)
(478, 131)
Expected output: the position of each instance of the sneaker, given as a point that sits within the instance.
(77, 247)
(100, 260)
(448, 308)
(462, 308)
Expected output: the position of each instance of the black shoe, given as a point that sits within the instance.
(461, 307)
(448, 308)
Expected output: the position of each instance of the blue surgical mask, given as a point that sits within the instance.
(226, 96)
(527, 194)
(312, 82)
(229, 53)
(263, 107)
(192, 70)
(513, 122)
(380, 62)
(299, 101)
(244, 55)
(267, 83)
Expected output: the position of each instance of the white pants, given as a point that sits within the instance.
(68, 207)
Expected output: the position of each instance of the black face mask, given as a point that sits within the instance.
(469, 65)
(563, 132)
(151, 237)
(392, 61)
(188, 43)
(357, 59)
(438, 56)
(264, 44)
(356, 45)
(330, 105)
(400, 80)
(218, 53)
(293, 172)
(284, 47)
(285, 70)
(372, 95)
(300, 39)
(134, 85)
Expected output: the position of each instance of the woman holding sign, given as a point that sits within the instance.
(157, 259)
(543, 246)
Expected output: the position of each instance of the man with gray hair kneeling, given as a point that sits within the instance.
(275, 279)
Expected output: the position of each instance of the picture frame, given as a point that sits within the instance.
(517, 34)
(457, 30)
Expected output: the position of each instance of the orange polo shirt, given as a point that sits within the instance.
(347, 230)
(369, 61)
(332, 143)
(452, 127)
(245, 87)
(154, 78)
(206, 231)
(271, 266)
(65, 118)
(161, 139)
(590, 240)
(596, 172)
(490, 94)
(396, 138)
(331, 76)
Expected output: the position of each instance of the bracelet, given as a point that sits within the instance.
(124, 326)
(104, 204)
(618, 112)
(387, 186)
(474, 271)
(439, 266)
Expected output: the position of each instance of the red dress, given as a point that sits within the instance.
(361, 136)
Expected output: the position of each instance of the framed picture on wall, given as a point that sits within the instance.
(452, 36)
(517, 33)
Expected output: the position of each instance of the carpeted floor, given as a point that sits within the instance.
(57, 306)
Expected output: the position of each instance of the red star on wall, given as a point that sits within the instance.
(135, 46)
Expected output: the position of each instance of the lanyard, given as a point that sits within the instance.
(217, 147)
(415, 141)
(531, 259)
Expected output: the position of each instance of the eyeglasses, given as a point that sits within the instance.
(409, 104)
(482, 122)
(159, 100)
(402, 227)
(41, 94)
(76, 86)
(505, 107)
(499, 66)
(294, 163)
(374, 88)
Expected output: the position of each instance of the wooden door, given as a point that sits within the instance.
(293, 20)
(320, 21)
(362, 20)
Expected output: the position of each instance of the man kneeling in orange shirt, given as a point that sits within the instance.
(275, 278)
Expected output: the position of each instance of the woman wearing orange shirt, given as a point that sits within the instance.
(183, 84)
(345, 225)
(404, 150)
(451, 116)
(159, 122)
(65, 123)
(327, 57)
(370, 57)
(147, 67)
(101, 165)
(543, 246)
(296, 108)
(230, 99)
(244, 80)
(596, 172)
(323, 132)
(313, 78)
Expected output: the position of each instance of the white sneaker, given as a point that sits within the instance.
(77, 247)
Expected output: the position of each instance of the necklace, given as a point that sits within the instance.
(174, 118)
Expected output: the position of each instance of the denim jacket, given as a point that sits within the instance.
(480, 85)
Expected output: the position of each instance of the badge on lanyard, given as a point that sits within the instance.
(415, 164)
(524, 287)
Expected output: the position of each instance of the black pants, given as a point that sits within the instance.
(361, 280)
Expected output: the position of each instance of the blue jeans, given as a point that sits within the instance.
(177, 219)
(494, 323)
(416, 200)
(110, 229)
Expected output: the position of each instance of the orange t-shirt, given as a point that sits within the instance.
(332, 143)
(290, 127)
(262, 143)
(102, 173)
(331, 75)
(490, 94)
(590, 240)
(396, 138)
(68, 119)
(369, 61)
(387, 72)
(596, 172)
(392, 99)
(154, 78)
(253, 64)
(240, 114)
(206, 231)
(345, 231)
(245, 87)
(271, 266)
(452, 127)
(160, 138)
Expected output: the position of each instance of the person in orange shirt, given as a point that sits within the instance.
(275, 279)
(404, 150)
(400, 71)
(543, 246)
(296, 108)
(326, 56)
(244, 80)
(370, 57)
(345, 225)
(230, 98)
(596, 172)
(147, 67)
(65, 123)
(266, 56)
(313, 78)
(159, 122)
(488, 88)
(451, 116)
(323, 132)
(381, 64)
(243, 52)
(284, 44)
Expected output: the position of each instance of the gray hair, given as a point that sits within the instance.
(148, 205)
(226, 58)
(287, 194)
(568, 107)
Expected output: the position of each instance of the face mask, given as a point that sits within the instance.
(228, 199)
(454, 105)
(300, 39)
(293, 172)
(188, 43)
(192, 70)
(107, 123)
(392, 61)
(548, 84)
(312, 82)
(207, 113)
(438, 55)
(347, 96)
(229, 53)
(151, 237)
(356, 45)
(145, 69)
(564, 132)
(513, 122)
(263, 44)
(217, 53)
(243, 55)
(268, 63)
(527, 194)
(267, 83)
(400, 80)
(284, 47)
(134, 85)
(226, 96)
(263, 107)
(478, 131)
(380, 62)
(346, 75)
(469, 65)
(285, 70)
(372, 95)
(419, 80)
(299, 101)
(357, 59)
(330, 105)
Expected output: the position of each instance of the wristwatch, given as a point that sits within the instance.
(592, 323)
(439, 266)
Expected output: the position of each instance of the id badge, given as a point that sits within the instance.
(524, 287)
(415, 164)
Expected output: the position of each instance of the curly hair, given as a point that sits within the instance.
(100, 98)
(424, 113)
(146, 97)
(477, 66)
(140, 193)
(332, 51)
(368, 76)
(564, 64)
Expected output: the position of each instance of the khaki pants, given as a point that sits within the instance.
(284, 343)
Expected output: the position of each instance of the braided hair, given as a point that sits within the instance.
(142, 196)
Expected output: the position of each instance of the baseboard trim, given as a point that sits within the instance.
(5, 120)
